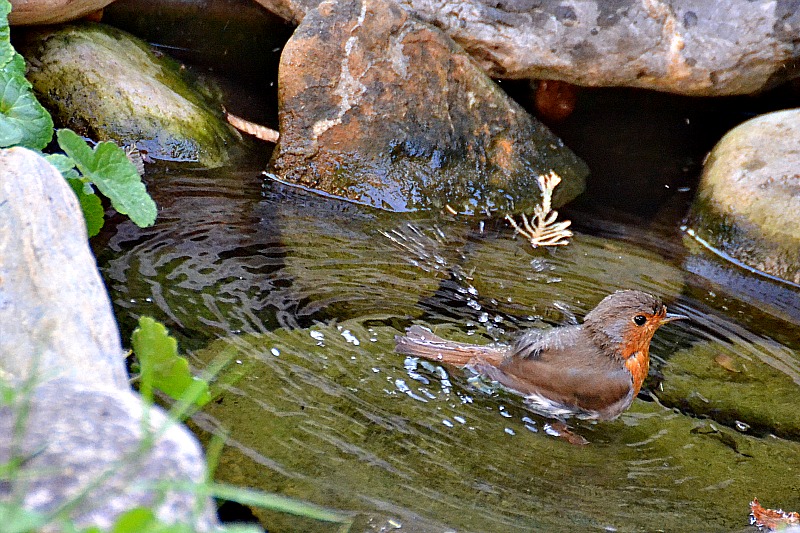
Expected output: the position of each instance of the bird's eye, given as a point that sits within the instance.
(639, 320)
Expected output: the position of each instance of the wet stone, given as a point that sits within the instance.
(382, 109)
(692, 48)
(750, 386)
(108, 85)
(747, 205)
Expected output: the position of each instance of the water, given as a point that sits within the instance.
(303, 296)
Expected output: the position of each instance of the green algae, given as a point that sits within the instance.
(331, 414)
(738, 385)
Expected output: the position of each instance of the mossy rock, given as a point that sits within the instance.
(748, 202)
(735, 386)
(108, 85)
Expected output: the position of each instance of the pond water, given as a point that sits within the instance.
(302, 296)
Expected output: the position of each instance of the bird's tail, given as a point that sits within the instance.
(420, 342)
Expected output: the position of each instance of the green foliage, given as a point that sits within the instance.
(144, 520)
(162, 368)
(108, 168)
(16, 519)
(24, 122)
(276, 502)
(90, 204)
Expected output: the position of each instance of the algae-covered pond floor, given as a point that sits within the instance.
(303, 295)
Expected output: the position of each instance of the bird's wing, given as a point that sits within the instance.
(571, 374)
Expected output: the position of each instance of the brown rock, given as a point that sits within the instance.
(28, 12)
(382, 109)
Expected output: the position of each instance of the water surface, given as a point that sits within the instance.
(303, 295)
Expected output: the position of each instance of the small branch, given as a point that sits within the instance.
(542, 228)
(256, 130)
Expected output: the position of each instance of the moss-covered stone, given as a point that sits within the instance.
(736, 386)
(108, 85)
(748, 202)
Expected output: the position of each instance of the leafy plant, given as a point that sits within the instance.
(109, 169)
(24, 122)
(162, 368)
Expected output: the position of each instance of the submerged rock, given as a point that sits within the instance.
(354, 425)
(751, 386)
(694, 48)
(380, 108)
(747, 205)
(70, 423)
(572, 279)
(108, 85)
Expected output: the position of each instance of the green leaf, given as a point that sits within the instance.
(109, 169)
(62, 163)
(161, 366)
(6, 50)
(16, 519)
(275, 502)
(23, 120)
(91, 206)
(134, 521)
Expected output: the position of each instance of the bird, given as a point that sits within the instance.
(590, 371)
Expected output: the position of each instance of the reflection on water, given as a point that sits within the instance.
(304, 295)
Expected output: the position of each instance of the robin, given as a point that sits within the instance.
(591, 371)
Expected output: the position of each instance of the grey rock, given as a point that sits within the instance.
(747, 205)
(54, 311)
(82, 438)
(695, 48)
(103, 449)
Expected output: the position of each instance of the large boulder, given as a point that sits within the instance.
(108, 85)
(380, 108)
(693, 48)
(747, 205)
(71, 423)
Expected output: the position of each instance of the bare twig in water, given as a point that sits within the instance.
(542, 228)
(256, 130)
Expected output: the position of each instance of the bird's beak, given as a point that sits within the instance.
(669, 317)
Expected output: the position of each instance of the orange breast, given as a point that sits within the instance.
(638, 364)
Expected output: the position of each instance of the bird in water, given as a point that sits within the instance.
(592, 370)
